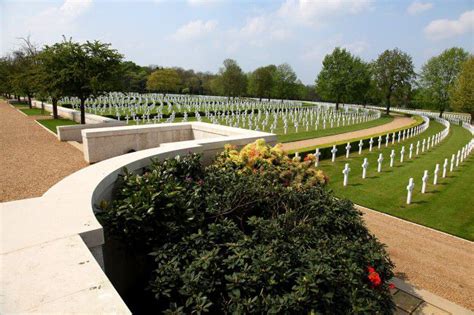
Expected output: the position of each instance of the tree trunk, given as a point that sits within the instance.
(18, 98)
(441, 113)
(388, 103)
(83, 112)
(337, 106)
(29, 101)
(55, 108)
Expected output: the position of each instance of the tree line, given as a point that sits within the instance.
(82, 70)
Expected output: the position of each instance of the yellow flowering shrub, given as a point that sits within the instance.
(259, 157)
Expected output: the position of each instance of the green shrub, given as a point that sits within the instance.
(235, 238)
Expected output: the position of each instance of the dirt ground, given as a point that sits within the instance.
(397, 122)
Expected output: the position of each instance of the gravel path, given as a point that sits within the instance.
(31, 159)
(435, 261)
(397, 122)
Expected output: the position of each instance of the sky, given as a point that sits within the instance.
(200, 34)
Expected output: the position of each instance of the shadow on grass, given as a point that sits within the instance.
(354, 185)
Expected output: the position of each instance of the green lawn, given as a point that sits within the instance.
(34, 112)
(19, 104)
(51, 124)
(447, 206)
(303, 135)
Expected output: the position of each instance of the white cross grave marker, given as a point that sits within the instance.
(392, 157)
(380, 160)
(333, 151)
(364, 167)
(435, 175)
(410, 187)
(424, 179)
(346, 171)
(348, 149)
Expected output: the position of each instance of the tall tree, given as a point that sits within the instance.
(286, 85)
(393, 74)
(88, 69)
(261, 81)
(462, 92)
(439, 74)
(25, 76)
(344, 78)
(233, 80)
(163, 80)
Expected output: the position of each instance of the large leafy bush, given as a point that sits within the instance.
(253, 232)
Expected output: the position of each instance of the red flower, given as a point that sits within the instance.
(374, 276)
(391, 286)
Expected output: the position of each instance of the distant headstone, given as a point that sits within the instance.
(445, 166)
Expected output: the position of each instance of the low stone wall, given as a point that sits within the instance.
(60, 231)
(72, 114)
(74, 132)
(104, 143)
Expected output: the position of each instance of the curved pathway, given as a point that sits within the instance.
(396, 123)
(31, 159)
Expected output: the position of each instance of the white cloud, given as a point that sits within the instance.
(194, 30)
(418, 7)
(311, 11)
(59, 18)
(442, 29)
(316, 53)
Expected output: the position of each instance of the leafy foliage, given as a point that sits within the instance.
(393, 72)
(163, 80)
(344, 78)
(235, 237)
(439, 74)
(462, 92)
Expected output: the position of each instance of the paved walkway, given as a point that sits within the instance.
(397, 122)
(31, 158)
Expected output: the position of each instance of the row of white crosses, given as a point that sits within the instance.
(402, 135)
(264, 115)
(452, 117)
(456, 159)
(427, 142)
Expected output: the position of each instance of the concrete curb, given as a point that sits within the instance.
(431, 298)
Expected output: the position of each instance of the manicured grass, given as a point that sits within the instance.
(35, 112)
(447, 206)
(302, 134)
(19, 104)
(51, 124)
(332, 131)
(418, 121)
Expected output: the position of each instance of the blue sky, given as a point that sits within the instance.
(200, 34)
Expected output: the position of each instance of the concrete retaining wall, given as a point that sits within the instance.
(104, 143)
(73, 132)
(73, 114)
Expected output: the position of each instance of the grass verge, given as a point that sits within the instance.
(51, 124)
